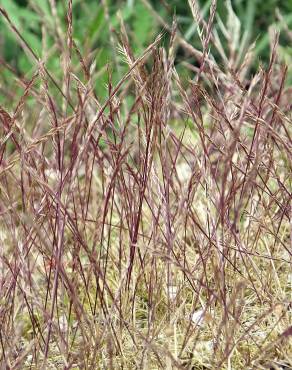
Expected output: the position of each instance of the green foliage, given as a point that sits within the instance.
(142, 25)
(96, 24)
(255, 16)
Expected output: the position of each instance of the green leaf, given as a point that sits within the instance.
(233, 26)
(96, 24)
(142, 24)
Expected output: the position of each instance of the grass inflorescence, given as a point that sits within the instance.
(150, 229)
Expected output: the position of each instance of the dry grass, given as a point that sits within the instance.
(152, 230)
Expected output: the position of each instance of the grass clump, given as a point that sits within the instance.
(151, 229)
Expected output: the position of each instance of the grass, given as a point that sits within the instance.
(150, 229)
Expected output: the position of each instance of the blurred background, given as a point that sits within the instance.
(97, 24)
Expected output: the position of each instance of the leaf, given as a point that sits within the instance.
(96, 23)
(142, 24)
(233, 26)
